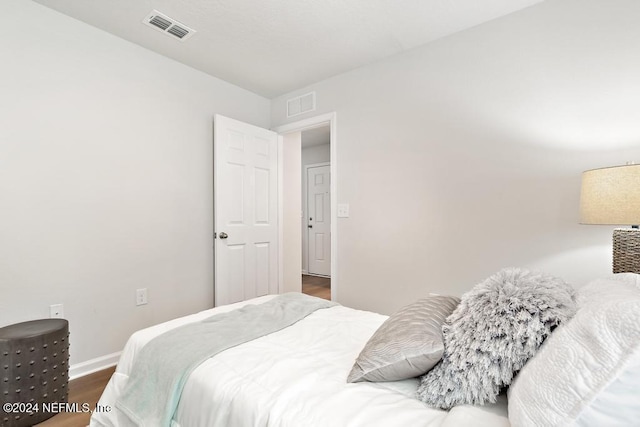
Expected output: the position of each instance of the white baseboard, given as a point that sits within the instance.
(94, 365)
(304, 271)
(318, 275)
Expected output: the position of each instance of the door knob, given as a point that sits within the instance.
(310, 226)
(223, 235)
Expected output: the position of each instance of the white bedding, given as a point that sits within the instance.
(294, 377)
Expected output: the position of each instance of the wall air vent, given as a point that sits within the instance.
(301, 104)
(169, 26)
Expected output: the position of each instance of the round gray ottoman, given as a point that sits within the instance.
(34, 369)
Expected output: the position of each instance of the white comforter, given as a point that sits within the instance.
(294, 377)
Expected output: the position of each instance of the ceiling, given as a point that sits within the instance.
(271, 47)
(316, 136)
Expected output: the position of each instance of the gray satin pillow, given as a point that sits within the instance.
(407, 344)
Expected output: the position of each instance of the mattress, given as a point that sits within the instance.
(293, 377)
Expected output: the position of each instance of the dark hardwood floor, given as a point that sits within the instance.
(316, 286)
(87, 389)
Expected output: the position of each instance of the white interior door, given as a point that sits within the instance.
(319, 220)
(246, 211)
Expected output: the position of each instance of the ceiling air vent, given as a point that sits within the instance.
(169, 26)
(301, 104)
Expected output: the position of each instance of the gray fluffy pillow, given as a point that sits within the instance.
(498, 326)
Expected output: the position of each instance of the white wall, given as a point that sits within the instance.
(292, 193)
(474, 149)
(310, 155)
(105, 178)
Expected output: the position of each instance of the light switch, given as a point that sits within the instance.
(343, 210)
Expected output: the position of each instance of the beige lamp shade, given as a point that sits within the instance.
(611, 196)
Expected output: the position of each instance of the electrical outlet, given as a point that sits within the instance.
(141, 296)
(56, 311)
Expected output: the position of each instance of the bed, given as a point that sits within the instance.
(297, 377)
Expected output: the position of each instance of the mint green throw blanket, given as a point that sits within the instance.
(162, 367)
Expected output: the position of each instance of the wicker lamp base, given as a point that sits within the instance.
(626, 250)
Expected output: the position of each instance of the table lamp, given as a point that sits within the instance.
(611, 196)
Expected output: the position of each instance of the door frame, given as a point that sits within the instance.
(299, 126)
(306, 204)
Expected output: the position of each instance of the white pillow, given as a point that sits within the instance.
(587, 372)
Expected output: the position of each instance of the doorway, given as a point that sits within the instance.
(316, 201)
(316, 210)
(316, 148)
